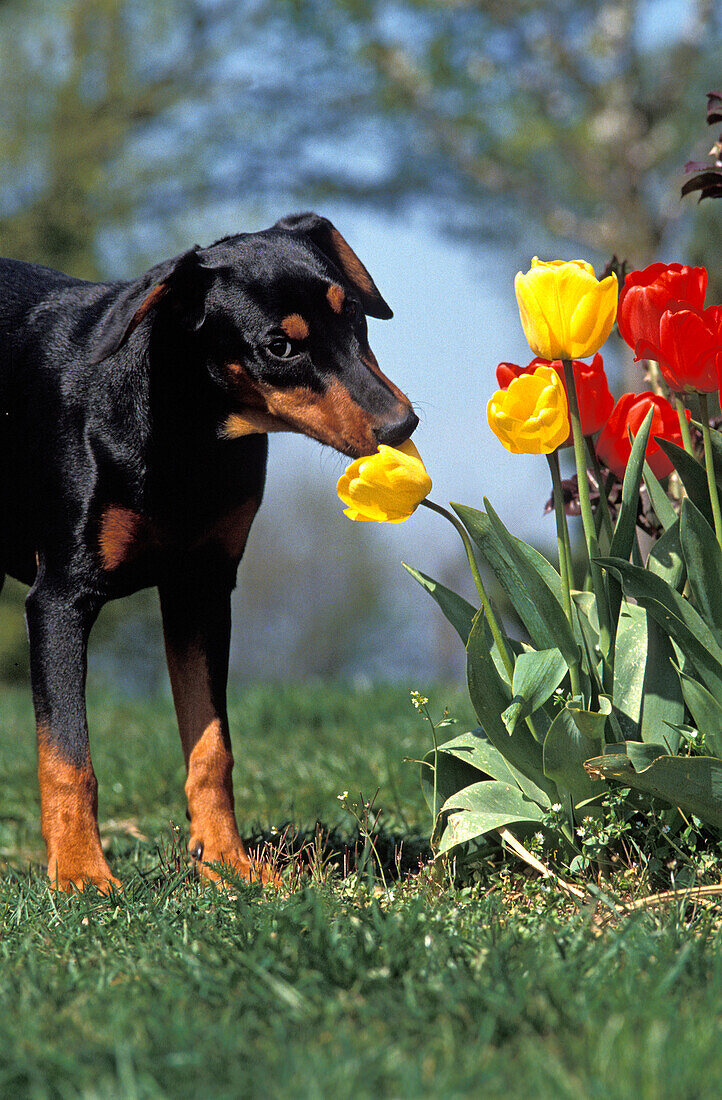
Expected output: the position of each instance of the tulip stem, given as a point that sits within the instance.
(485, 602)
(497, 635)
(590, 533)
(603, 501)
(564, 562)
(709, 463)
(684, 425)
(568, 551)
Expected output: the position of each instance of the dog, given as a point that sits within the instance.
(133, 438)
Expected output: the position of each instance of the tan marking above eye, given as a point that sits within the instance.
(336, 297)
(295, 327)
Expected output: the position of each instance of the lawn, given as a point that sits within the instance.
(338, 989)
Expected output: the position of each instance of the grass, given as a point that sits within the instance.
(339, 989)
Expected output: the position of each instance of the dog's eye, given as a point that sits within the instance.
(281, 348)
(351, 308)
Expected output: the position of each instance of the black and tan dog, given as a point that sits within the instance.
(133, 421)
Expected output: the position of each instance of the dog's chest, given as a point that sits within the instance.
(127, 538)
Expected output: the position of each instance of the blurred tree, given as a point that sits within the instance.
(123, 118)
(126, 124)
(577, 112)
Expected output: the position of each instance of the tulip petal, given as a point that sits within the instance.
(565, 312)
(387, 486)
(531, 416)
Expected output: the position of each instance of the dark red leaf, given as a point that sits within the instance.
(714, 107)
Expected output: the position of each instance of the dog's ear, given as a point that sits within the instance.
(328, 240)
(138, 298)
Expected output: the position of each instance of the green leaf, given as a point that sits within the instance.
(694, 783)
(532, 585)
(572, 736)
(661, 503)
(483, 807)
(585, 607)
(716, 441)
(475, 749)
(676, 617)
(666, 559)
(457, 610)
(537, 675)
(706, 711)
(641, 755)
(462, 761)
(626, 524)
(647, 697)
(662, 701)
(692, 474)
(624, 537)
(479, 526)
(490, 696)
(630, 650)
(452, 775)
(703, 558)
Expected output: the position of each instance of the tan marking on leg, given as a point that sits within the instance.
(295, 326)
(69, 821)
(214, 836)
(231, 531)
(336, 297)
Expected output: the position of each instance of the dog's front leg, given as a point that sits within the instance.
(197, 625)
(59, 624)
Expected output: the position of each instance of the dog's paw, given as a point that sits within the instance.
(72, 877)
(237, 861)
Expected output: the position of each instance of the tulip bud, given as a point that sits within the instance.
(532, 415)
(647, 294)
(614, 446)
(595, 399)
(688, 348)
(387, 486)
(566, 312)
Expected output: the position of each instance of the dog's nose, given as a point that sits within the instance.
(399, 431)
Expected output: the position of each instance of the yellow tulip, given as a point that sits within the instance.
(532, 416)
(566, 312)
(387, 486)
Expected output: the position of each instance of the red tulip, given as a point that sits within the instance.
(688, 348)
(647, 294)
(595, 400)
(614, 446)
(507, 372)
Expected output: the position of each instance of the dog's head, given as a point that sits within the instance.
(280, 318)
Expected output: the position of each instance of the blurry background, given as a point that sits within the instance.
(449, 142)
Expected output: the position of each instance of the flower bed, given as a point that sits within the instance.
(619, 682)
